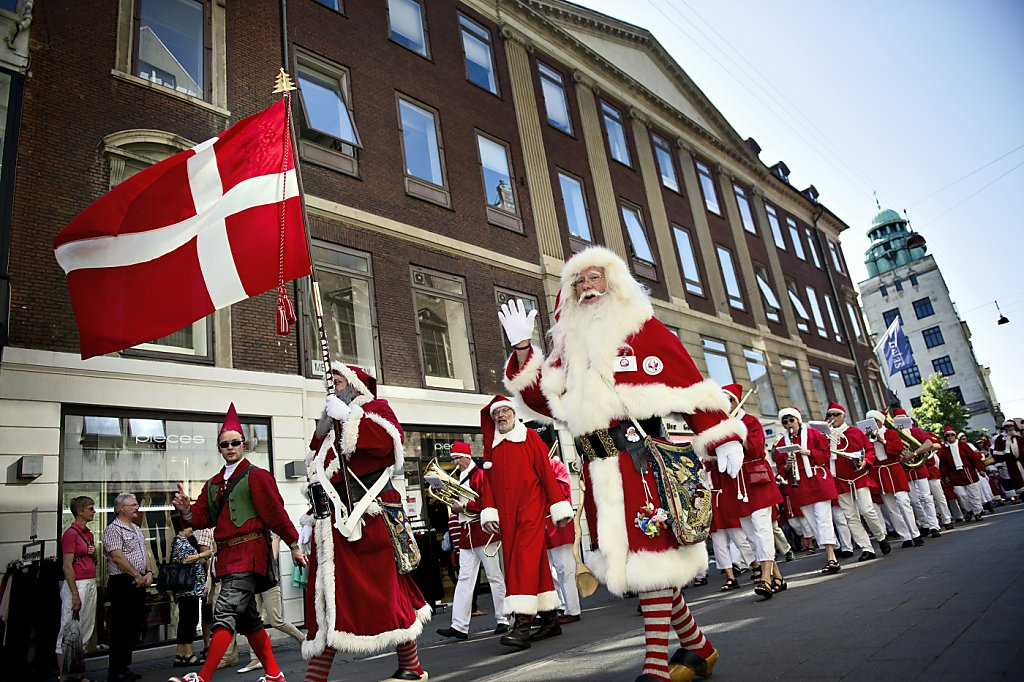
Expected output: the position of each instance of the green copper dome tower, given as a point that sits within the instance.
(889, 249)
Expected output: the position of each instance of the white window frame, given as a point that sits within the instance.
(613, 121)
(812, 244)
(767, 401)
(772, 307)
(794, 382)
(858, 331)
(836, 260)
(637, 234)
(718, 349)
(415, 185)
(833, 316)
(499, 214)
(733, 290)
(554, 78)
(564, 177)
(688, 261)
(662, 155)
(503, 295)
(803, 319)
(318, 146)
(473, 30)
(419, 286)
(707, 187)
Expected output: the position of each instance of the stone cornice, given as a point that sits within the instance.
(511, 33)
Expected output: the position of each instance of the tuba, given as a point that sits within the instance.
(910, 458)
(444, 488)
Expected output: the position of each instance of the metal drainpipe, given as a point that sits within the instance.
(819, 210)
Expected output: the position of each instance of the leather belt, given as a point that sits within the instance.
(249, 537)
(602, 443)
(357, 491)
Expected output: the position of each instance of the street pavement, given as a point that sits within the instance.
(949, 610)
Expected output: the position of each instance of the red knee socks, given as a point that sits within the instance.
(260, 643)
(219, 643)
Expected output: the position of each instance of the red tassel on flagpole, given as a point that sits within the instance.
(285, 313)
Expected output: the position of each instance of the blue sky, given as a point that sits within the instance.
(903, 98)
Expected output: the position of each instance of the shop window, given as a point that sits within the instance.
(773, 222)
(666, 167)
(794, 236)
(346, 294)
(326, 126)
(717, 360)
(615, 133)
(772, 308)
(424, 153)
(556, 105)
(797, 396)
(408, 25)
(574, 201)
(732, 283)
(745, 213)
(476, 44)
(760, 381)
(687, 261)
(442, 322)
(499, 192)
(818, 381)
(502, 296)
(707, 187)
(171, 39)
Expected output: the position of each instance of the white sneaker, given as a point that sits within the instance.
(254, 664)
(189, 677)
(272, 678)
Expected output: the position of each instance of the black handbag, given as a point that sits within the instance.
(175, 576)
(268, 581)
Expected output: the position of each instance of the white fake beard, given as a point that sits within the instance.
(587, 295)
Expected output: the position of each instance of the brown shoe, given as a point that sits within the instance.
(519, 635)
(549, 626)
(686, 665)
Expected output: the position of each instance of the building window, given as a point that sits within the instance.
(923, 308)
(408, 25)
(838, 390)
(819, 321)
(913, 280)
(637, 235)
(911, 376)
(502, 296)
(556, 104)
(732, 283)
(883, 290)
(943, 366)
(858, 406)
(794, 235)
(899, 285)
(855, 321)
(915, 402)
(812, 244)
(424, 153)
(666, 167)
(889, 315)
(760, 381)
(836, 260)
(575, 203)
(818, 380)
(933, 337)
(773, 222)
(442, 323)
(958, 394)
(346, 292)
(691, 274)
(326, 125)
(171, 45)
(498, 189)
(833, 318)
(802, 318)
(797, 396)
(745, 213)
(772, 309)
(717, 359)
(615, 133)
(333, 4)
(707, 187)
(476, 44)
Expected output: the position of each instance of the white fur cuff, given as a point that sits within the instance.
(521, 604)
(561, 510)
(727, 429)
(548, 601)
(528, 373)
(488, 515)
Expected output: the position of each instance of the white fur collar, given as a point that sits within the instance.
(516, 435)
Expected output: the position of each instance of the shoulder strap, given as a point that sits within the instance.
(227, 492)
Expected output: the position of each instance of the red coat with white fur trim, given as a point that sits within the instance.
(356, 601)
(970, 464)
(889, 471)
(580, 387)
(761, 495)
(816, 481)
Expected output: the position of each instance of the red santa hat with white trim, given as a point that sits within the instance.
(948, 429)
(790, 412)
(735, 390)
(833, 406)
(461, 449)
(487, 423)
(231, 422)
(362, 380)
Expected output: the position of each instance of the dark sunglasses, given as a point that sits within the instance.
(788, 419)
(232, 443)
(834, 414)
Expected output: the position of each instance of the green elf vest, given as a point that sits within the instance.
(239, 501)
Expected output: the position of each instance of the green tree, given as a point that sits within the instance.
(940, 407)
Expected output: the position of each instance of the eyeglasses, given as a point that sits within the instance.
(593, 278)
(833, 414)
(232, 443)
(786, 420)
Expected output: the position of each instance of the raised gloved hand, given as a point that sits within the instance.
(336, 408)
(517, 323)
(730, 458)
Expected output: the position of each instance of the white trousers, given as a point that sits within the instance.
(939, 499)
(720, 540)
(469, 566)
(901, 515)
(842, 530)
(969, 497)
(858, 505)
(87, 614)
(563, 571)
(781, 543)
(758, 529)
(850, 511)
(986, 490)
(818, 517)
(924, 505)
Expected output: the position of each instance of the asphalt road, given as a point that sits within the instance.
(950, 610)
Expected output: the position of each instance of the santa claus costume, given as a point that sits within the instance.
(612, 360)
(852, 476)
(357, 601)
(1008, 450)
(519, 491)
(892, 478)
(961, 465)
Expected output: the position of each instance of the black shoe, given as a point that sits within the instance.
(969, 516)
(789, 556)
(519, 635)
(844, 554)
(918, 541)
(501, 628)
(885, 546)
(700, 582)
(453, 633)
(935, 533)
(907, 544)
(866, 556)
(401, 675)
(949, 526)
(549, 626)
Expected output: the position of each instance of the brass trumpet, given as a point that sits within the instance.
(444, 488)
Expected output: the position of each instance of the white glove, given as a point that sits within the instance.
(517, 323)
(305, 532)
(336, 408)
(730, 457)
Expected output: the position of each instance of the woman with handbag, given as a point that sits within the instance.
(185, 560)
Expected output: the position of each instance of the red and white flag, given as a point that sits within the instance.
(192, 234)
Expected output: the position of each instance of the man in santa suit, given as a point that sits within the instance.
(1008, 449)
(853, 474)
(473, 542)
(519, 491)
(357, 602)
(611, 360)
(803, 453)
(921, 498)
(892, 478)
(241, 503)
(961, 465)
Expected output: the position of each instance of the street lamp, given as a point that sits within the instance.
(1003, 319)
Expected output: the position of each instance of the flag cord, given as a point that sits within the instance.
(285, 311)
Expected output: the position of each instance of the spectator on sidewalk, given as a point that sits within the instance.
(129, 576)
(78, 591)
(185, 550)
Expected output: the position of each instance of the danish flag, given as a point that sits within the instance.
(203, 229)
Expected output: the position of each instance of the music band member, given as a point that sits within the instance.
(612, 360)
(807, 467)
(962, 467)
(473, 541)
(519, 490)
(852, 478)
(1008, 450)
(357, 601)
(892, 478)
(918, 478)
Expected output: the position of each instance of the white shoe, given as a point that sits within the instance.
(254, 664)
(189, 677)
(272, 678)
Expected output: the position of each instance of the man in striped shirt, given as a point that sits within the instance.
(130, 575)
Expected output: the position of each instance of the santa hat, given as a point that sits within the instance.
(948, 429)
(790, 412)
(616, 276)
(899, 412)
(835, 407)
(231, 422)
(1010, 422)
(362, 380)
(876, 415)
(487, 423)
(735, 390)
(961, 435)
(460, 449)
